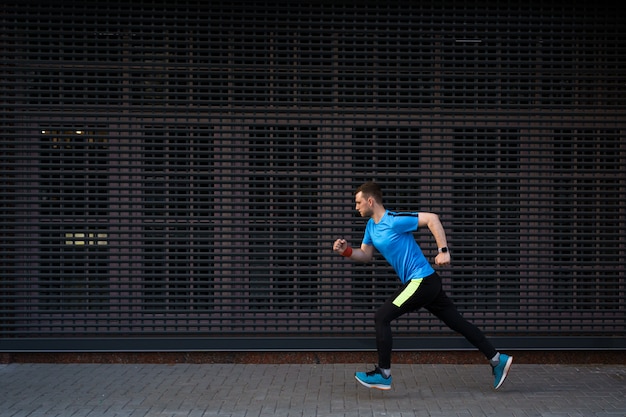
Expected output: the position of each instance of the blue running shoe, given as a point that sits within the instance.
(501, 370)
(374, 379)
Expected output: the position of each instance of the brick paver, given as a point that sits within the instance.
(242, 390)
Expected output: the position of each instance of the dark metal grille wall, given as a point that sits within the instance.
(173, 177)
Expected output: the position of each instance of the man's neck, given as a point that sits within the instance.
(379, 212)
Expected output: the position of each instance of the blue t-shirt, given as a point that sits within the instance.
(393, 238)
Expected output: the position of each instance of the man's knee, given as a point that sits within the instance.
(384, 315)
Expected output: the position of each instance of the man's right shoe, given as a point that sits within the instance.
(374, 379)
(501, 370)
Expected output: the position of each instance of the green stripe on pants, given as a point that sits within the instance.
(408, 292)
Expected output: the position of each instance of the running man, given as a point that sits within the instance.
(391, 234)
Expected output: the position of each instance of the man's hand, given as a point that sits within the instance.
(442, 259)
(340, 246)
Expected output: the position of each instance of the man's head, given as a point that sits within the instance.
(367, 197)
(371, 189)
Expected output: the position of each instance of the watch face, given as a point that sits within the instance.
(444, 250)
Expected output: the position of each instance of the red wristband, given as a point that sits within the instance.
(347, 253)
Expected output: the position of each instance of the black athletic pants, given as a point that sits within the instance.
(429, 294)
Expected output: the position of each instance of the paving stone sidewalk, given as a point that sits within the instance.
(306, 390)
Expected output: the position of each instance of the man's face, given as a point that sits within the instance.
(363, 205)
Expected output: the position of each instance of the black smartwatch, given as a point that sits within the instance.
(443, 250)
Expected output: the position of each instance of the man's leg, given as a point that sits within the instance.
(384, 338)
(445, 310)
(410, 297)
(380, 378)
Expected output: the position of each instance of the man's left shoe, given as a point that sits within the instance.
(374, 379)
(501, 370)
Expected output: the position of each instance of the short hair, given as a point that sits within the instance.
(371, 189)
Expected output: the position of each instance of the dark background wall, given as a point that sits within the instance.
(173, 177)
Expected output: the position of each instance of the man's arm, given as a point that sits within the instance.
(431, 220)
(364, 254)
